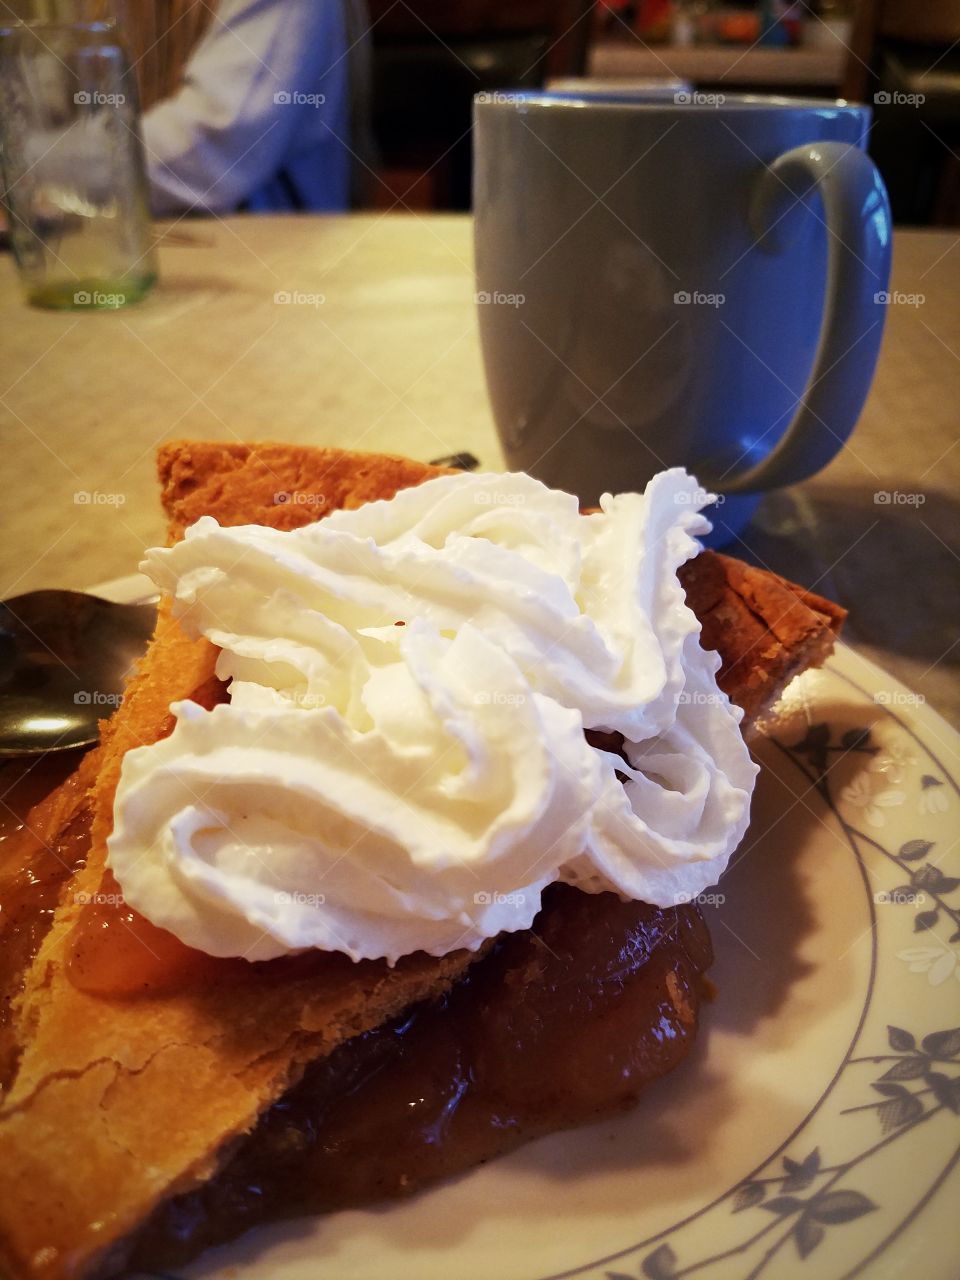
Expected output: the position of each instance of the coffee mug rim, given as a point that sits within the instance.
(742, 103)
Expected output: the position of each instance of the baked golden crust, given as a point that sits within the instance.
(118, 1104)
(284, 486)
(766, 629)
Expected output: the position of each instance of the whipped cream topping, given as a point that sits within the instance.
(402, 763)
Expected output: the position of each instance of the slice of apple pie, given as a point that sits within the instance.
(384, 865)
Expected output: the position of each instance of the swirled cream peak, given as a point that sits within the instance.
(402, 764)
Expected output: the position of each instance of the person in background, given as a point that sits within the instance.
(269, 110)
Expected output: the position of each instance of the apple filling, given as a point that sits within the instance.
(555, 1026)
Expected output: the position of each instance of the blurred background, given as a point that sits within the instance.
(902, 56)
(399, 75)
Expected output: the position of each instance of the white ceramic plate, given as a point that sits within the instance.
(814, 1130)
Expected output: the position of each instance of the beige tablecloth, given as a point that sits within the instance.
(377, 349)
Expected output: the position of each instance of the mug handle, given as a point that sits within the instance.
(859, 228)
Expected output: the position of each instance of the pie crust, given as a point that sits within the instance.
(117, 1105)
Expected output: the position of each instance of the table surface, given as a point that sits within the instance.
(389, 360)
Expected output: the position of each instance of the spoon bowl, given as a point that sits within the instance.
(64, 659)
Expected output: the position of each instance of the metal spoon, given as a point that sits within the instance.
(64, 657)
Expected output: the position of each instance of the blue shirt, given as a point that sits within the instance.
(262, 119)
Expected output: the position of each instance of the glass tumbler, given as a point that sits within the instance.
(71, 163)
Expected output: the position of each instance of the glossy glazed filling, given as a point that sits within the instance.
(556, 1026)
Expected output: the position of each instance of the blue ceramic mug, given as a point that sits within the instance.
(698, 281)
